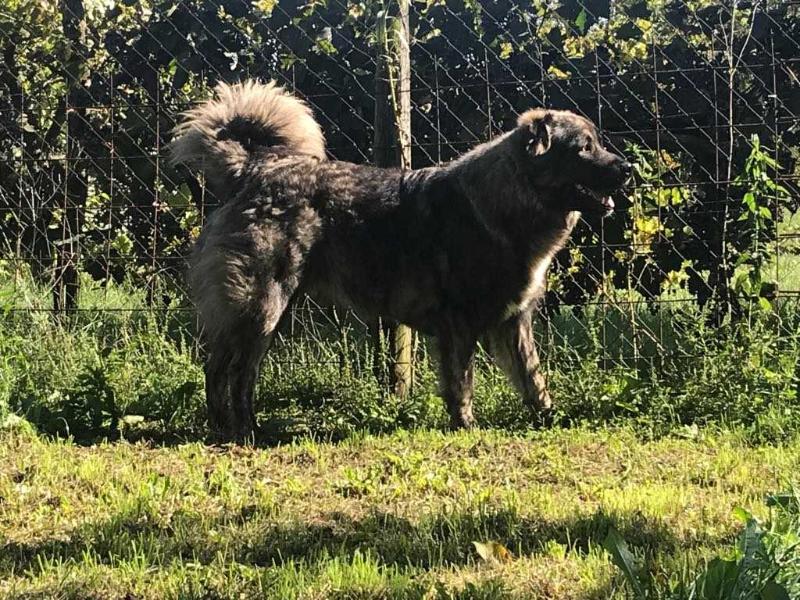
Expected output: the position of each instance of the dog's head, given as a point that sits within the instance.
(561, 152)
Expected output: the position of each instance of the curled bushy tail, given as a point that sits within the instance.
(219, 135)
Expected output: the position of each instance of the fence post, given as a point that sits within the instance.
(67, 279)
(393, 130)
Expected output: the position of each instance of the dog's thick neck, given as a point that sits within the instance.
(497, 187)
(485, 170)
(505, 198)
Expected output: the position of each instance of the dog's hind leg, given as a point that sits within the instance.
(242, 377)
(216, 375)
(513, 347)
(253, 337)
(243, 278)
(457, 352)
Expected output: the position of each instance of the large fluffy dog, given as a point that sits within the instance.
(459, 252)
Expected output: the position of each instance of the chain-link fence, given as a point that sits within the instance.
(704, 97)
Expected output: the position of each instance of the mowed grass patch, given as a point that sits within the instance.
(371, 517)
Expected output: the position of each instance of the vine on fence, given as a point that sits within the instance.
(763, 200)
(89, 93)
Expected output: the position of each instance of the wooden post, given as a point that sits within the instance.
(393, 145)
(403, 346)
(67, 279)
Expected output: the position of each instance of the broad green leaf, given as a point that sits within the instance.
(742, 283)
(580, 21)
(742, 514)
(624, 560)
(751, 545)
(324, 45)
(750, 201)
(122, 243)
(718, 580)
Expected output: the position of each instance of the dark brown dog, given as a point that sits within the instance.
(459, 252)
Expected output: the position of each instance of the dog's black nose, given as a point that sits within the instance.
(626, 168)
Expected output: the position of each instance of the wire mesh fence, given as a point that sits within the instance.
(704, 98)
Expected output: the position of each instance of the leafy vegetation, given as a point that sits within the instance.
(387, 506)
(125, 371)
(764, 563)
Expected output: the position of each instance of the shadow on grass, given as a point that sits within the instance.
(279, 425)
(253, 538)
(446, 539)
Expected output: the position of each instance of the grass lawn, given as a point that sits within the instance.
(372, 517)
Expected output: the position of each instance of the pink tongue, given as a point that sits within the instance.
(608, 203)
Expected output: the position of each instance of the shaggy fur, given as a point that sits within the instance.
(459, 252)
(219, 135)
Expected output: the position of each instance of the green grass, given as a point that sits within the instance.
(354, 493)
(137, 374)
(371, 517)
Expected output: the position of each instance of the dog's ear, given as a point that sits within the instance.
(540, 135)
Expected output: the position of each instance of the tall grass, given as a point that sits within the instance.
(115, 368)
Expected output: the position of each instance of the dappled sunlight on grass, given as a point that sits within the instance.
(391, 516)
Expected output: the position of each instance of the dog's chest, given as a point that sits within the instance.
(533, 287)
(534, 280)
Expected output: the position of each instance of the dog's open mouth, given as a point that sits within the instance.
(601, 198)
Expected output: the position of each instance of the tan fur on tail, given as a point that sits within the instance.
(219, 134)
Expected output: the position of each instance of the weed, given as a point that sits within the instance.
(764, 564)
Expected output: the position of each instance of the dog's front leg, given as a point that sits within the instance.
(514, 349)
(457, 352)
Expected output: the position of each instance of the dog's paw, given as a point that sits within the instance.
(463, 421)
(543, 403)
